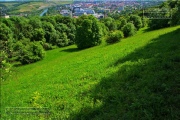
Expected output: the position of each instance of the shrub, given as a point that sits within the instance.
(47, 46)
(129, 30)
(114, 37)
(71, 37)
(122, 22)
(63, 40)
(30, 53)
(5, 66)
(136, 21)
(159, 23)
(110, 23)
(145, 22)
(49, 30)
(38, 34)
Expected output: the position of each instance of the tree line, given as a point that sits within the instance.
(25, 40)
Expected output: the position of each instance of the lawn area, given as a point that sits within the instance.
(137, 78)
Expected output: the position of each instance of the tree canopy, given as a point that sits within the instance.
(89, 33)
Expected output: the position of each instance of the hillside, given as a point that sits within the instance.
(137, 78)
(23, 7)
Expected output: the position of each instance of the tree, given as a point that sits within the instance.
(30, 52)
(19, 25)
(110, 23)
(8, 23)
(38, 35)
(175, 14)
(158, 23)
(172, 3)
(129, 30)
(5, 66)
(160, 17)
(89, 33)
(136, 21)
(62, 40)
(61, 27)
(122, 22)
(49, 19)
(68, 30)
(145, 21)
(6, 39)
(49, 30)
(35, 22)
(5, 50)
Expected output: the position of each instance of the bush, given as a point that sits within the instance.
(145, 22)
(5, 66)
(122, 22)
(114, 37)
(63, 40)
(129, 30)
(136, 21)
(30, 53)
(159, 23)
(47, 46)
(38, 35)
(110, 23)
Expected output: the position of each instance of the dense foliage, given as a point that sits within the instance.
(114, 37)
(167, 14)
(5, 50)
(5, 66)
(110, 23)
(28, 37)
(88, 33)
(136, 20)
(29, 53)
(129, 29)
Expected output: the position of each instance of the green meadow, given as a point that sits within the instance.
(135, 79)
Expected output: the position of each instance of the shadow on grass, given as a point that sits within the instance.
(147, 30)
(146, 86)
(71, 50)
(17, 65)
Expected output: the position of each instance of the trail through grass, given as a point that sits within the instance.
(137, 78)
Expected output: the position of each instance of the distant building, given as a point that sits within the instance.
(5, 16)
(77, 14)
(121, 8)
(89, 11)
(65, 12)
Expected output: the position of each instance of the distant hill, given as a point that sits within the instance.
(28, 6)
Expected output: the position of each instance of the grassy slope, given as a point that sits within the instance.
(137, 78)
